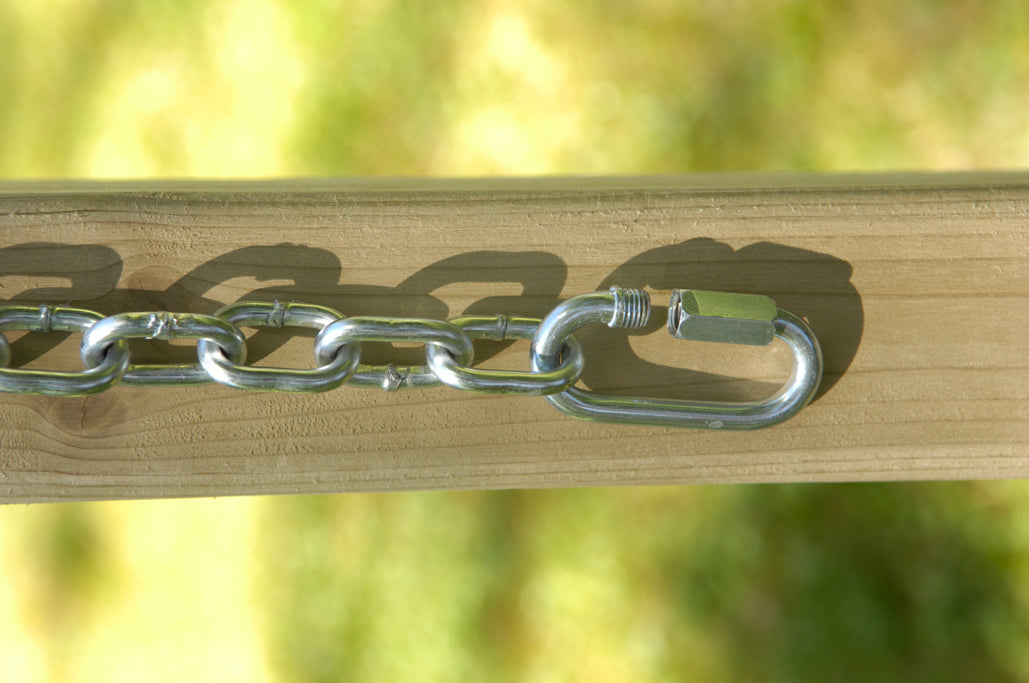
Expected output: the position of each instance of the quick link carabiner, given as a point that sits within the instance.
(692, 314)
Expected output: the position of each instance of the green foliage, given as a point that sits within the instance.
(830, 582)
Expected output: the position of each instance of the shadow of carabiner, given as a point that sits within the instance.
(815, 285)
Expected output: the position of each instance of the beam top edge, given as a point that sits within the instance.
(700, 182)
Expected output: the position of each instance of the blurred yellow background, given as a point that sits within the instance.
(915, 582)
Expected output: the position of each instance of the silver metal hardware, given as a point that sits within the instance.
(162, 325)
(722, 317)
(109, 368)
(455, 374)
(585, 405)
(278, 314)
(391, 377)
(557, 358)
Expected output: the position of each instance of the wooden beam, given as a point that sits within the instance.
(917, 286)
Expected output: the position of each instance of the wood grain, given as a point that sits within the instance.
(918, 287)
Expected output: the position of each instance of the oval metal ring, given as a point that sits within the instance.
(499, 328)
(279, 314)
(586, 405)
(162, 325)
(374, 329)
(104, 374)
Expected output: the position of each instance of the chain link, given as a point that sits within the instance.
(162, 325)
(373, 329)
(556, 358)
(110, 365)
(498, 328)
(338, 368)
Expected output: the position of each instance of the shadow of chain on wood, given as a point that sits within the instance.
(816, 286)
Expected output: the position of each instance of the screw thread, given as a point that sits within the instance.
(632, 308)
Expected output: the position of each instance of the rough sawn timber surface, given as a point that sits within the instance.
(917, 286)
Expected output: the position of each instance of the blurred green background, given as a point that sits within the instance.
(915, 582)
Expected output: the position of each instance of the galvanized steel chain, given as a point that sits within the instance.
(557, 359)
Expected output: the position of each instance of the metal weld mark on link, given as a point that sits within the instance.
(46, 322)
(277, 316)
(161, 325)
(502, 324)
(393, 379)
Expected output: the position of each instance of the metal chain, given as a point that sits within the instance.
(557, 358)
